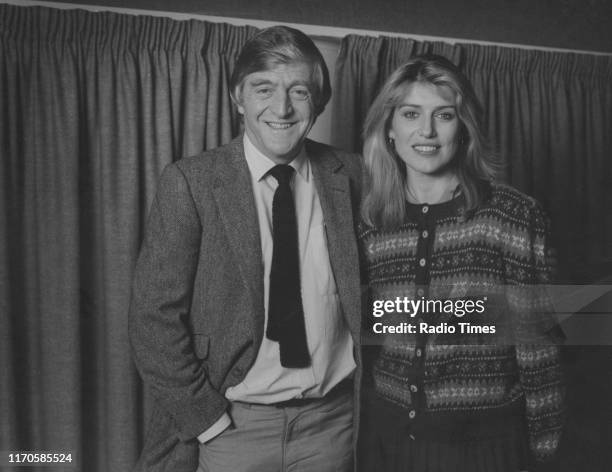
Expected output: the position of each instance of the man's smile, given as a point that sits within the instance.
(279, 125)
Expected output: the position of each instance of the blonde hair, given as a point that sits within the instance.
(384, 202)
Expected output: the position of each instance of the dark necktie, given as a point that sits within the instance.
(285, 312)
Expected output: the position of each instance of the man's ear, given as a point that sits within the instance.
(236, 96)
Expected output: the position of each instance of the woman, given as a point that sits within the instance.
(483, 397)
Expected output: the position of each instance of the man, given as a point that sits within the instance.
(246, 308)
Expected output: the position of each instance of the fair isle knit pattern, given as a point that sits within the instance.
(499, 252)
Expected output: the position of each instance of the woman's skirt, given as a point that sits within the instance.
(387, 444)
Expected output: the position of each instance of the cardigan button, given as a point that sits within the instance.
(414, 388)
(420, 292)
(425, 209)
(422, 262)
(425, 233)
(412, 414)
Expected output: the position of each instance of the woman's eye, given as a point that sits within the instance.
(410, 115)
(446, 116)
(300, 93)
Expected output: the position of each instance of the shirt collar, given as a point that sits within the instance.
(259, 164)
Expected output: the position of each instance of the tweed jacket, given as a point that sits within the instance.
(197, 312)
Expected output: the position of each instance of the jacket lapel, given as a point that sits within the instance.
(233, 194)
(333, 188)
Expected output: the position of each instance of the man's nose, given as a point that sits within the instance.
(281, 104)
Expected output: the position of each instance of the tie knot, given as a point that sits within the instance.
(282, 173)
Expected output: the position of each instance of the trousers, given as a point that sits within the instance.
(315, 437)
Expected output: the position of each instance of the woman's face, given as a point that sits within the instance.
(425, 128)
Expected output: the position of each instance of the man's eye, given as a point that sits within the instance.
(264, 91)
(300, 94)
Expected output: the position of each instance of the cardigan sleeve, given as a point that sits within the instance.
(538, 336)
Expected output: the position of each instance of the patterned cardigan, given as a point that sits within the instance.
(460, 384)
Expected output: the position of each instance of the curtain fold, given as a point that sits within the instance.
(92, 107)
(548, 115)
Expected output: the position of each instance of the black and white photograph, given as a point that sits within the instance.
(306, 236)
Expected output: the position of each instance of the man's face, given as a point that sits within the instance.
(278, 109)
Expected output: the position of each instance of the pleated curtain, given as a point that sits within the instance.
(92, 107)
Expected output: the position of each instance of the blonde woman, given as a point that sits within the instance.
(435, 226)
